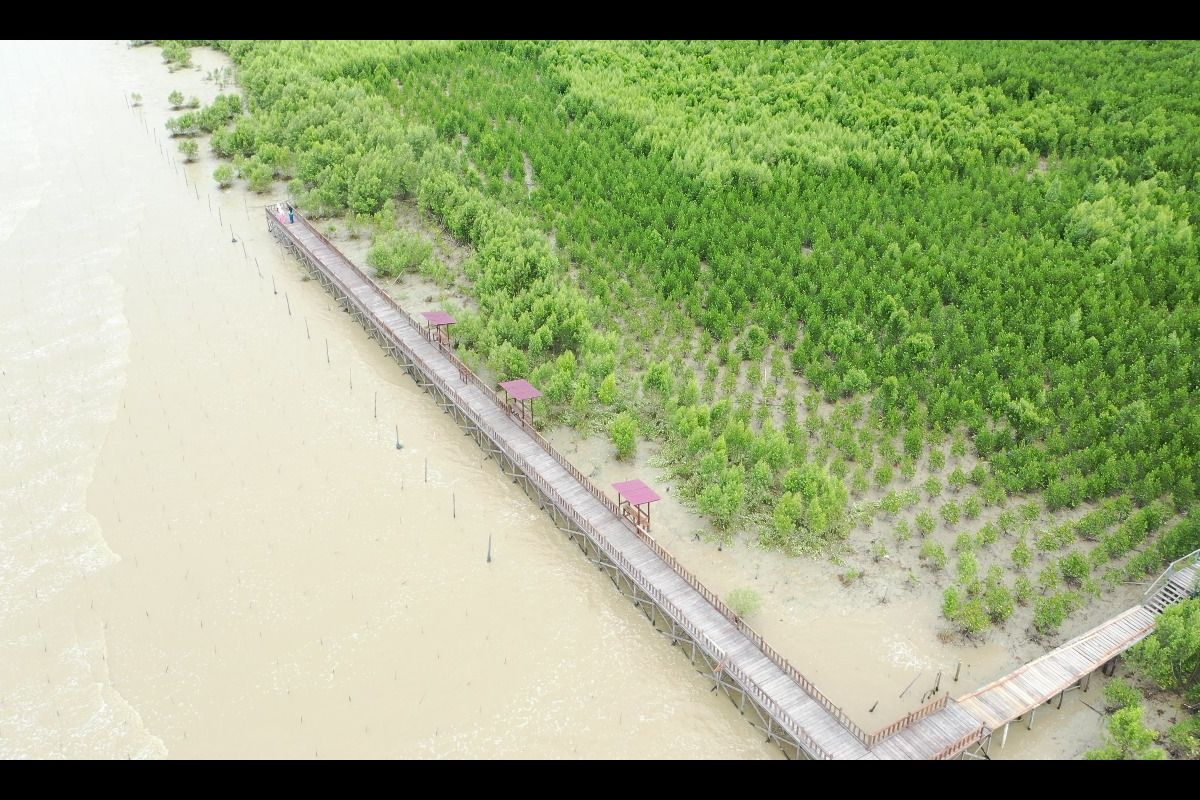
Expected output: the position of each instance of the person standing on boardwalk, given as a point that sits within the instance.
(291, 214)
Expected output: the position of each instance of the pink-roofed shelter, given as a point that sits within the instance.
(635, 498)
(439, 322)
(519, 395)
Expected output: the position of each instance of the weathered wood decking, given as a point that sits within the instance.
(788, 707)
(1028, 687)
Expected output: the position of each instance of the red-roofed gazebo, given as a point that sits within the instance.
(517, 394)
(635, 498)
(439, 323)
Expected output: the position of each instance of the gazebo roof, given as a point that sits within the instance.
(636, 492)
(521, 389)
(438, 317)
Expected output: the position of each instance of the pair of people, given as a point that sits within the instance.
(291, 213)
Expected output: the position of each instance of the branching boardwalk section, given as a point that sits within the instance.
(775, 696)
(1026, 689)
(1023, 691)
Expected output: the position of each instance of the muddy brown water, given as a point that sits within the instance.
(210, 545)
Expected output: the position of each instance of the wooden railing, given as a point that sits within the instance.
(931, 707)
(951, 750)
(1191, 559)
(568, 509)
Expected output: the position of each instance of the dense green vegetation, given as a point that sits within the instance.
(1170, 660)
(1053, 314)
(986, 243)
(1129, 739)
(1171, 655)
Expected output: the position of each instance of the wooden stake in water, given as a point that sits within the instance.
(489, 560)
(327, 361)
(427, 469)
(453, 506)
(398, 445)
(306, 331)
(289, 303)
(956, 671)
(352, 377)
(273, 289)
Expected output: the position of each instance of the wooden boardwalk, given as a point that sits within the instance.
(770, 691)
(1027, 688)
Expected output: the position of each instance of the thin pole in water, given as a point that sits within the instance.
(453, 506)
(306, 330)
(289, 303)
(376, 405)
(327, 361)
(489, 560)
(273, 289)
